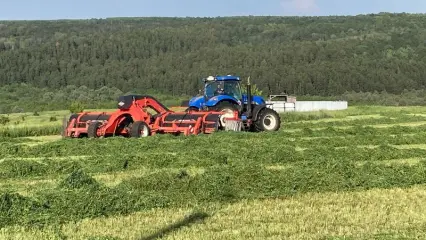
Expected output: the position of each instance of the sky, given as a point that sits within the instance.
(85, 9)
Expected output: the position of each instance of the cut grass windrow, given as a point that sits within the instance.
(100, 158)
(80, 196)
(358, 122)
(48, 182)
(354, 130)
(56, 158)
(30, 131)
(404, 139)
(370, 214)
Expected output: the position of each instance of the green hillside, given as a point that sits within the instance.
(321, 56)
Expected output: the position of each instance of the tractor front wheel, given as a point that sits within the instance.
(268, 120)
(139, 129)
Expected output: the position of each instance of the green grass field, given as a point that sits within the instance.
(354, 174)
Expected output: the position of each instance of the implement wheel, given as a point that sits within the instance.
(64, 127)
(92, 130)
(139, 129)
(228, 108)
(268, 120)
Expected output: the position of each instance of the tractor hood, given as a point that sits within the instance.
(197, 102)
(216, 99)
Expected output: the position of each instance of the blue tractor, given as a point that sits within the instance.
(224, 94)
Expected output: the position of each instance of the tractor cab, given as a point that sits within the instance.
(228, 85)
(218, 90)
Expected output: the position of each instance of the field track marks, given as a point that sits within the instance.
(410, 146)
(379, 125)
(113, 178)
(39, 159)
(417, 114)
(403, 161)
(406, 124)
(400, 161)
(402, 146)
(26, 186)
(348, 136)
(42, 140)
(340, 119)
(46, 138)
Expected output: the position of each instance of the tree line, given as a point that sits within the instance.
(320, 56)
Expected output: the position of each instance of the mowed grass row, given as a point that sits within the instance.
(79, 196)
(371, 214)
(48, 184)
(117, 154)
(31, 124)
(50, 122)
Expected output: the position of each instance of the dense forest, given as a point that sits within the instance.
(47, 64)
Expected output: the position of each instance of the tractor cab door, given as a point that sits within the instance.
(233, 89)
(213, 89)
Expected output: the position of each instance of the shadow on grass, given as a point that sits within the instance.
(187, 221)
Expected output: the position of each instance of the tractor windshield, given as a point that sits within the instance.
(230, 88)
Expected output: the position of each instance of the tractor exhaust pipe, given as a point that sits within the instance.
(249, 105)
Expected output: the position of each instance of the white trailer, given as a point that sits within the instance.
(285, 103)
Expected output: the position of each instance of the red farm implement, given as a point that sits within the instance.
(133, 118)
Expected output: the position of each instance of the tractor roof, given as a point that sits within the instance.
(222, 78)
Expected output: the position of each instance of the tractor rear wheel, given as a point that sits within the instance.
(228, 108)
(92, 130)
(139, 129)
(268, 120)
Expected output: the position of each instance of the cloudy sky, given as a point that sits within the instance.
(72, 9)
